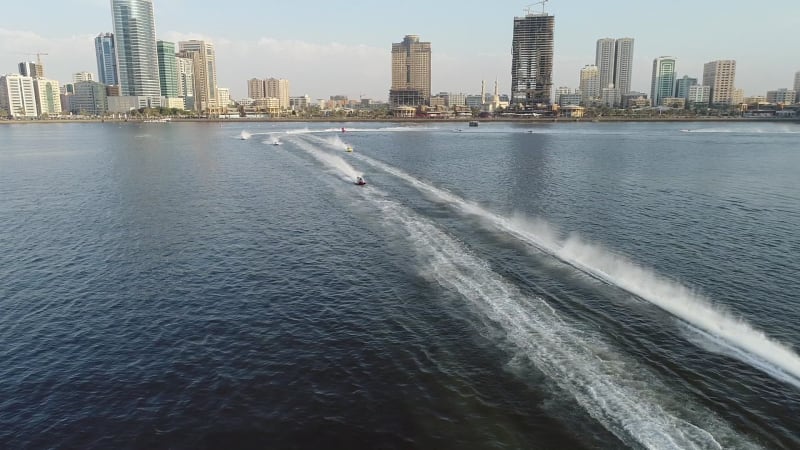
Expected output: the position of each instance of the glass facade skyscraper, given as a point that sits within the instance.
(135, 39)
(663, 82)
(106, 59)
(167, 68)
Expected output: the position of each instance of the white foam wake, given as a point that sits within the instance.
(331, 161)
(760, 351)
(625, 397)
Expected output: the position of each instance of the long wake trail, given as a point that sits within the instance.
(625, 397)
(740, 338)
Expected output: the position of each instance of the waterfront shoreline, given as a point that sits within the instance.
(420, 120)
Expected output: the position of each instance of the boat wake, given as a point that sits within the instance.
(752, 346)
(333, 162)
(624, 396)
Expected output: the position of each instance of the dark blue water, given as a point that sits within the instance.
(506, 286)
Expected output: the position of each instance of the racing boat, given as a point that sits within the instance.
(349, 149)
(360, 181)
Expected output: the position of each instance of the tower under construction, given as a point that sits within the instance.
(532, 61)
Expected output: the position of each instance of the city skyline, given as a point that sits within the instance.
(351, 45)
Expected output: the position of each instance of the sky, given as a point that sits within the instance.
(329, 47)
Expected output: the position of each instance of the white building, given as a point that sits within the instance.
(781, 96)
(720, 76)
(559, 91)
(590, 84)
(698, 95)
(299, 103)
(127, 103)
(17, 96)
(48, 96)
(186, 81)
(610, 97)
(82, 76)
(224, 99)
(456, 99)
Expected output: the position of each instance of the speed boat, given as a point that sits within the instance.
(276, 142)
(349, 149)
(360, 181)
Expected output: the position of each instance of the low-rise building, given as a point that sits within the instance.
(128, 103)
(89, 99)
(570, 98)
(699, 95)
(781, 96)
(674, 102)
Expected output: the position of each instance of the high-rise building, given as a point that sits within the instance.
(48, 96)
(604, 60)
(205, 72)
(590, 84)
(662, 84)
(106, 54)
(682, 86)
(623, 64)
(614, 59)
(167, 69)
(278, 88)
(720, 76)
(532, 60)
(17, 96)
(797, 86)
(135, 43)
(31, 69)
(256, 88)
(411, 72)
(186, 80)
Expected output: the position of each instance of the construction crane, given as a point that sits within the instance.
(40, 54)
(528, 8)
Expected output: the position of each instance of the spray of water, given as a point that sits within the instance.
(336, 142)
(748, 344)
(333, 162)
(622, 395)
(244, 135)
(625, 397)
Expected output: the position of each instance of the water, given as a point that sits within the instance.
(506, 286)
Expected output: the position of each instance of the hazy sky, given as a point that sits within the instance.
(327, 48)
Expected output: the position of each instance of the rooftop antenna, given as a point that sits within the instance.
(528, 10)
